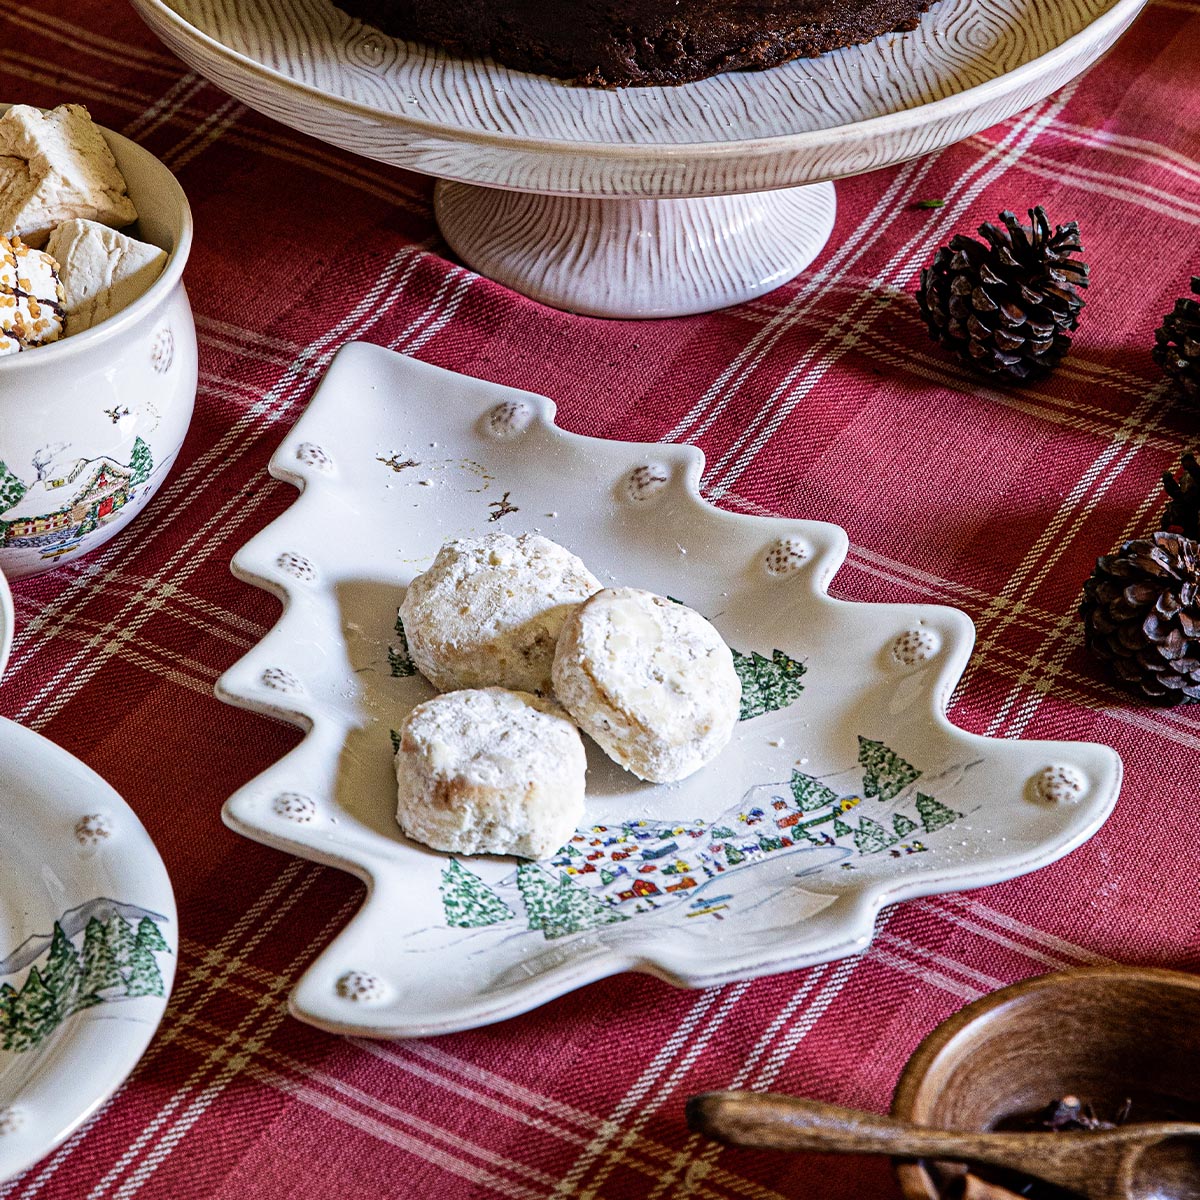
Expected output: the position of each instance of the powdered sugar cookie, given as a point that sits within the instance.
(651, 680)
(488, 611)
(489, 771)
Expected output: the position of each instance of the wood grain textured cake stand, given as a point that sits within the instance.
(644, 201)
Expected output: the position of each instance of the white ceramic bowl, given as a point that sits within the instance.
(90, 426)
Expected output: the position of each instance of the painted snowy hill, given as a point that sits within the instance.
(72, 922)
(115, 960)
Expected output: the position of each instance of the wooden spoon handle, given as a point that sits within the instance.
(792, 1123)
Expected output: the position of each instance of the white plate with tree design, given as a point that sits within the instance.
(87, 941)
(845, 787)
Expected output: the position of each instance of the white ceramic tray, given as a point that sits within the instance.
(634, 208)
(845, 788)
(88, 940)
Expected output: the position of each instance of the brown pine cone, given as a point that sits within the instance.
(1141, 615)
(1182, 514)
(1177, 343)
(1006, 308)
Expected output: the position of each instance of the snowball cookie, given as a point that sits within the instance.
(650, 680)
(488, 611)
(488, 771)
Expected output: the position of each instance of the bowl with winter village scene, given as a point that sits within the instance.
(90, 425)
(88, 940)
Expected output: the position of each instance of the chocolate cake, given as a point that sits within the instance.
(621, 43)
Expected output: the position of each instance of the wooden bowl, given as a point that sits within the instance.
(1104, 1034)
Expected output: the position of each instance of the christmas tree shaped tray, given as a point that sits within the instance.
(845, 787)
(88, 941)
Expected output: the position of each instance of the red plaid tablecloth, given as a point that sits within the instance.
(824, 400)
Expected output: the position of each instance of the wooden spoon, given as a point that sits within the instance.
(1159, 1161)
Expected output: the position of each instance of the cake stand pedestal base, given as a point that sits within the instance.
(636, 258)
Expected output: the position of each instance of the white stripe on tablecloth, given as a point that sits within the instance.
(700, 1157)
(1077, 366)
(1117, 187)
(79, 37)
(204, 134)
(915, 952)
(849, 327)
(649, 1077)
(1055, 536)
(1070, 952)
(963, 991)
(653, 1154)
(165, 107)
(609, 1155)
(1055, 960)
(724, 389)
(1157, 154)
(1069, 634)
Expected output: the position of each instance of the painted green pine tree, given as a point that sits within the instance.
(11, 488)
(91, 520)
(870, 837)
(150, 936)
(903, 825)
(811, 794)
(63, 974)
(934, 814)
(841, 829)
(885, 773)
(467, 901)
(121, 940)
(767, 683)
(143, 977)
(99, 969)
(115, 962)
(34, 1014)
(561, 908)
(8, 994)
(399, 659)
(141, 462)
(537, 894)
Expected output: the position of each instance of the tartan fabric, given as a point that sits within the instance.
(825, 400)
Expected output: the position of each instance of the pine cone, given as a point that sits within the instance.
(1177, 343)
(1182, 514)
(1141, 615)
(1006, 308)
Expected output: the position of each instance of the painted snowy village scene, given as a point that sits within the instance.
(51, 507)
(610, 873)
(99, 953)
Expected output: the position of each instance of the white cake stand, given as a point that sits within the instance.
(643, 201)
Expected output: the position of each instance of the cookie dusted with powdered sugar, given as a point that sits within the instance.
(489, 771)
(649, 679)
(489, 610)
